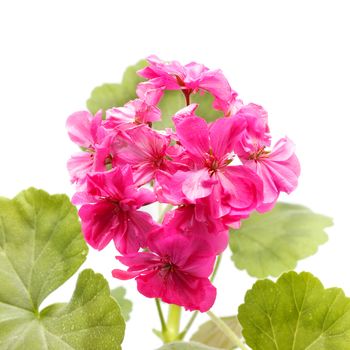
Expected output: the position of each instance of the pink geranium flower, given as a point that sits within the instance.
(133, 113)
(147, 151)
(256, 133)
(110, 211)
(191, 219)
(175, 269)
(279, 170)
(190, 78)
(85, 130)
(229, 190)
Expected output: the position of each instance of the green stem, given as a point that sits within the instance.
(161, 316)
(195, 314)
(173, 325)
(216, 268)
(226, 330)
(189, 325)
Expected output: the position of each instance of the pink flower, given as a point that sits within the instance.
(186, 221)
(189, 219)
(110, 211)
(229, 190)
(134, 112)
(85, 130)
(147, 151)
(256, 133)
(189, 78)
(175, 269)
(278, 169)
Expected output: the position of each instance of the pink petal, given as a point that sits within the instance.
(98, 224)
(168, 187)
(224, 133)
(198, 184)
(185, 290)
(79, 128)
(124, 275)
(79, 165)
(139, 261)
(194, 135)
(216, 83)
(243, 187)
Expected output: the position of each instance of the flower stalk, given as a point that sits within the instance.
(172, 331)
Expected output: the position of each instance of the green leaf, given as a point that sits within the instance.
(209, 334)
(205, 108)
(186, 346)
(295, 313)
(125, 304)
(272, 243)
(171, 102)
(115, 95)
(41, 246)
(174, 100)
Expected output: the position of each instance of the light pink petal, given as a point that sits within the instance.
(186, 112)
(283, 175)
(79, 128)
(283, 151)
(120, 115)
(198, 184)
(149, 92)
(79, 165)
(271, 192)
(215, 83)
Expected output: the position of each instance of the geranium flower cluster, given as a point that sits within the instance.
(213, 174)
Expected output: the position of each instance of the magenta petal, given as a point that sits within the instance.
(141, 224)
(190, 292)
(168, 187)
(244, 189)
(124, 275)
(209, 232)
(98, 224)
(139, 261)
(224, 133)
(194, 135)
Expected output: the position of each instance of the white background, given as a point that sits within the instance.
(290, 56)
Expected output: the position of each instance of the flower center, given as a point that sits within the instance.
(214, 165)
(260, 153)
(158, 161)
